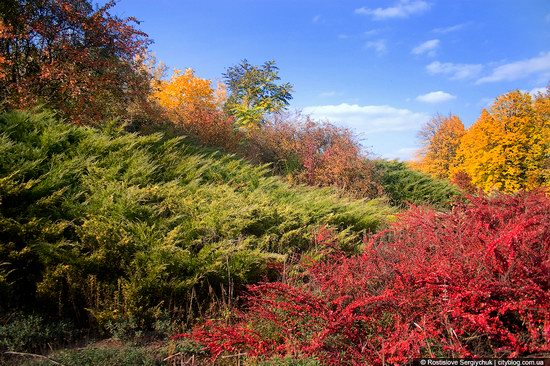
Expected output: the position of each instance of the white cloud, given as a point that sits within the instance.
(450, 29)
(427, 47)
(379, 46)
(435, 97)
(402, 9)
(316, 19)
(369, 118)
(375, 31)
(519, 69)
(454, 71)
(403, 154)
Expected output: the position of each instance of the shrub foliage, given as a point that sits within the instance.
(110, 227)
(405, 186)
(471, 282)
(313, 153)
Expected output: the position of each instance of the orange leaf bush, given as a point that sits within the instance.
(195, 109)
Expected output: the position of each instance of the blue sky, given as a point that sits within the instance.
(382, 68)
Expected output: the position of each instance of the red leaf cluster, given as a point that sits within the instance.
(212, 128)
(313, 153)
(77, 59)
(471, 282)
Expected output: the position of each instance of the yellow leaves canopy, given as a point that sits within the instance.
(186, 96)
(440, 137)
(507, 148)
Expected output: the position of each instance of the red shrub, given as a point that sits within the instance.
(313, 153)
(464, 182)
(212, 128)
(472, 282)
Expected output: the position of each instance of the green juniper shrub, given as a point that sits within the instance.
(405, 186)
(116, 230)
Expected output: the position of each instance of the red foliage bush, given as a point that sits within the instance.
(471, 282)
(464, 182)
(211, 127)
(313, 153)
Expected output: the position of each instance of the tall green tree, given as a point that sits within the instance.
(254, 92)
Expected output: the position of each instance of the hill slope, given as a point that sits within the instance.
(405, 186)
(140, 228)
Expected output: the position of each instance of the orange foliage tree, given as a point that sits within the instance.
(74, 58)
(184, 95)
(191, 104)
(508, 147)
(439, 138)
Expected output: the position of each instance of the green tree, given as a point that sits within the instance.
(254, 92)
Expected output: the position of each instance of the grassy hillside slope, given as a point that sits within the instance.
(119, 230)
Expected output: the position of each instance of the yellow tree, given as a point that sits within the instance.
(439, 139)
(185, 96)
(193, 105)
(507, 149)
(542, 110)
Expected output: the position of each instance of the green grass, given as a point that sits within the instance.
(125, 232)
